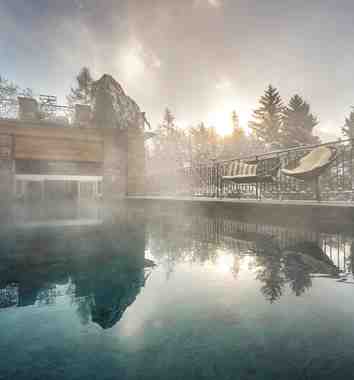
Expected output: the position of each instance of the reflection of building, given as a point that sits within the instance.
(46, 156)
(103, 265)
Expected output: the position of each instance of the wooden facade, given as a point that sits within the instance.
(31, 150)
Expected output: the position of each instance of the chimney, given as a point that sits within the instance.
(82, 114)
(28, 108)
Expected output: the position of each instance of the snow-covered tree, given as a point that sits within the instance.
(298, 123)
(82, 93)
(267, 118)
(348, 127)
(204, 143)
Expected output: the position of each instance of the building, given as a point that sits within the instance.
(49, 151)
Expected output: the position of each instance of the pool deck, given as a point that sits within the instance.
(293, 212)
(251, 202)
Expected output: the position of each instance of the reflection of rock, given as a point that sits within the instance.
(115, 288)
(109, 304)
(102, 265)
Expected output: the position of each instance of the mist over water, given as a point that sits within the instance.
(168, 295)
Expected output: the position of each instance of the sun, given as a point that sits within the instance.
(132, 65)
(221, 120)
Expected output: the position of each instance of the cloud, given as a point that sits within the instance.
(210, 3)
(214, 3)
(223, 84)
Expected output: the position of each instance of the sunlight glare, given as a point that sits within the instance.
(222, 122)
(224, 262)
(132, 64)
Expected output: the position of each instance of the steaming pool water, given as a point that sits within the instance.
(169, 296)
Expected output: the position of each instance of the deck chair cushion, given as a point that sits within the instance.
(239, 169)
(316, 159)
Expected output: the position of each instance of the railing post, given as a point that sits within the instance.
(351, 169)
(218, 182)
(258, 185)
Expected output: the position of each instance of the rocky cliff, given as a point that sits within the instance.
(112, 108)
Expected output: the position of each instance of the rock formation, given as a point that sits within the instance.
(112, 108)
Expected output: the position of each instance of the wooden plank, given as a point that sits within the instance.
(5, 140)
(5, 152)
(47, 129)
(58, 167)
(55, 149)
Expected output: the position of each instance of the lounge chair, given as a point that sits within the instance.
(251, 173)
(312, 165)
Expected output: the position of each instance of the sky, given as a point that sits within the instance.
(200, 58)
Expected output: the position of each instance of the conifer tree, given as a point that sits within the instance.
(170, 144)
(234, 144)
(267, 118)
(204, 143)
(348, 128)
(82, 93)
(298, 123)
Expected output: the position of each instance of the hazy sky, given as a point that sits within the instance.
(201, 58)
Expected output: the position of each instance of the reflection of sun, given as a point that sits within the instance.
(224, 262)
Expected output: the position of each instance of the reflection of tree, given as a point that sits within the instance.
(174, 241)
(351, 258)
(294, 266)
(297, 273)
(269, 268)
(270, 274)
(236, 266)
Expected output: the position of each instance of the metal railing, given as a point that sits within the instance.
(47, 110)
(205, 180)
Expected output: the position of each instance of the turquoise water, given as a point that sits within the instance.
(137, 296)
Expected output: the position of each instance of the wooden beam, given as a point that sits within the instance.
(56, 149)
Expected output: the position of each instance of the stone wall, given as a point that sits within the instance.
(114, 164)
(6, 167)
(136, 162)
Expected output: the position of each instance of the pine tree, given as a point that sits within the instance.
(171, 148)
(168, 120)
(234, 144)
(235, 121)
(267, 119)
(203, 143)
(82, 93)
(298, 123)
(348, 128)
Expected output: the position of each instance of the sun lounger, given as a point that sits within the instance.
(241, 172)
(312, 165)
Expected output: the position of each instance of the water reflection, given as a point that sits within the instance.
(100, 261)
(277, 259)
(100, 266)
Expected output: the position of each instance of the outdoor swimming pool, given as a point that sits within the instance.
(173, 296)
